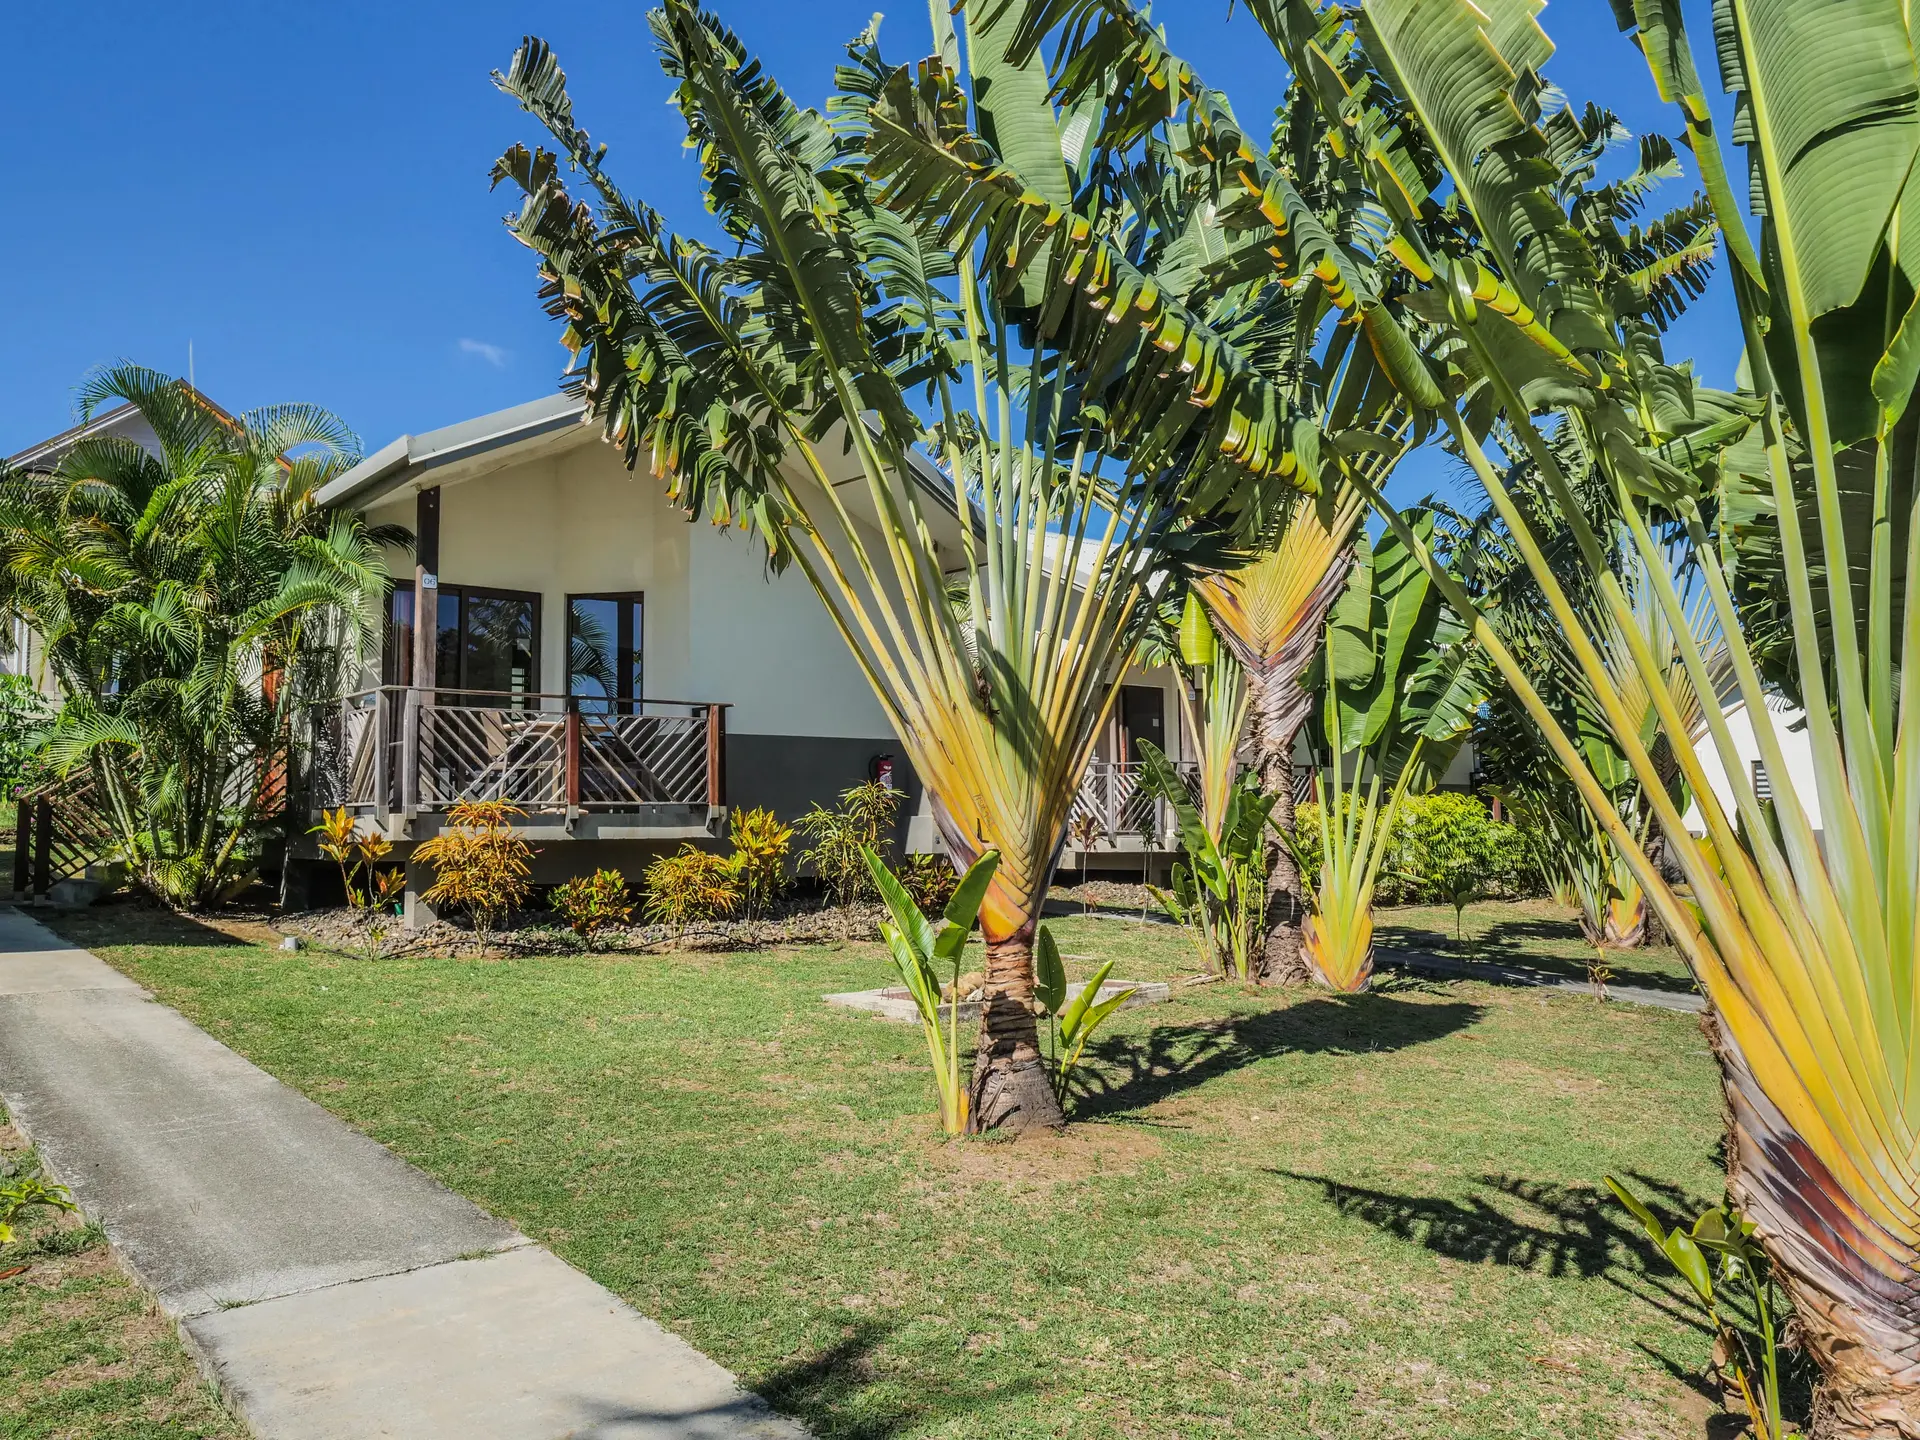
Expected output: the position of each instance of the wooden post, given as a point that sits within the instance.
(426, 586)
(22, 846)
(42, 847)
(382, 799)
(716, 755)
(410, 754)
(573, 756)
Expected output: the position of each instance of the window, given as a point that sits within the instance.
(485, 640)
(604, 651)
(1762, 782)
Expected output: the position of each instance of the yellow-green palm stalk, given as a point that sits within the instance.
(1214, 703)
(895, 247)
(1356, 836)
(1804, 941)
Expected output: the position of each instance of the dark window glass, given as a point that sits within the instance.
(396, 660)
(604, 649)
(485, 640)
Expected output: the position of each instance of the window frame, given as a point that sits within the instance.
(402, 665)
(629, 649)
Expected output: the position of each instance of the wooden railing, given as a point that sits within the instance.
(1114, 795)
(405, 751)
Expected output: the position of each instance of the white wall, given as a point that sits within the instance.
(716, 627)
(1796, 751)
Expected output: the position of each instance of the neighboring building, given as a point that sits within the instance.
(624, 675)
(22, 654)
(1789, 728)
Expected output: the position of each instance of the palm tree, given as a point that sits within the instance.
(934, 241)
(192, 601)
(1805, 943)
(1288, 224)
(1272, 615)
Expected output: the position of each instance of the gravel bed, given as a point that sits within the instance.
(538, 933)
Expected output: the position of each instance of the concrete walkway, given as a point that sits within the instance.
(333, 1291)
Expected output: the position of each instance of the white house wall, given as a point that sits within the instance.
(803, 722)
(1798, 754)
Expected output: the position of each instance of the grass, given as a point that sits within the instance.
(1535, 933)
(1277, 1215)
(83, 1351)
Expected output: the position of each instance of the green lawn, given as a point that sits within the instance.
(1277, 1215)
(83, 1351)
(1534, 933)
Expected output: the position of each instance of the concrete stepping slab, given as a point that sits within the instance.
(517, 1346)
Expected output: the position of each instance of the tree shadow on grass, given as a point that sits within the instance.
(837, 1393)
(841, 1395)
(1132, 1072)
(134, 922)
(1578, 1231)
(1501, 944)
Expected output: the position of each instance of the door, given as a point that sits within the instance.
(604, 651)
(485, 640)
(1143, 716)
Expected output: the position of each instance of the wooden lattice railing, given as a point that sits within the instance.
(59, 830)
(397, 750)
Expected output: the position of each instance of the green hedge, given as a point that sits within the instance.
(1436, 837)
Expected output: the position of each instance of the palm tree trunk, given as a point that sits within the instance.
(1855, 1287)
(1280, 707)
(1011, 1089)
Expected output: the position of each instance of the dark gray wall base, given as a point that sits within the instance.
(788, 774)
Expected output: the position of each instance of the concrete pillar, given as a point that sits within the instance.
(417, 914)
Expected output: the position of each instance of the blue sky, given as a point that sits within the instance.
(301, 191)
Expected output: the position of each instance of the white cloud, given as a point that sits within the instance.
(494, 355)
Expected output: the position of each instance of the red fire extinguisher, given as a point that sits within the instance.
(881, 770)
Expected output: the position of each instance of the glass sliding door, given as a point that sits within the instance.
(484, 640)
(604, 651)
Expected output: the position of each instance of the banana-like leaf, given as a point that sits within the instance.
(963, 910)
(1049, 975)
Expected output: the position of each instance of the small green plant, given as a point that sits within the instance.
(1715, 1254)
(370, 890)
(480, 865)
(1219, 884)
(841, 837)
(1085, 831)
(21, 1188)
(1599, 972)
(594, 903)
(1070, 1021)
(931, 880)
(692, 886)
(25, 715)
(917, 948)
(760, 846)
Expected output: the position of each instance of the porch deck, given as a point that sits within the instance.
(627, 769)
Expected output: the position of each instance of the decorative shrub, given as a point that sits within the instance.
(691, 886)
(479, 864)
(1445, 845)
(359, 857)
(24, 715)
(841, 838)
(930, 880)
(1454, 853)
(760, 846)
(593, 904)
